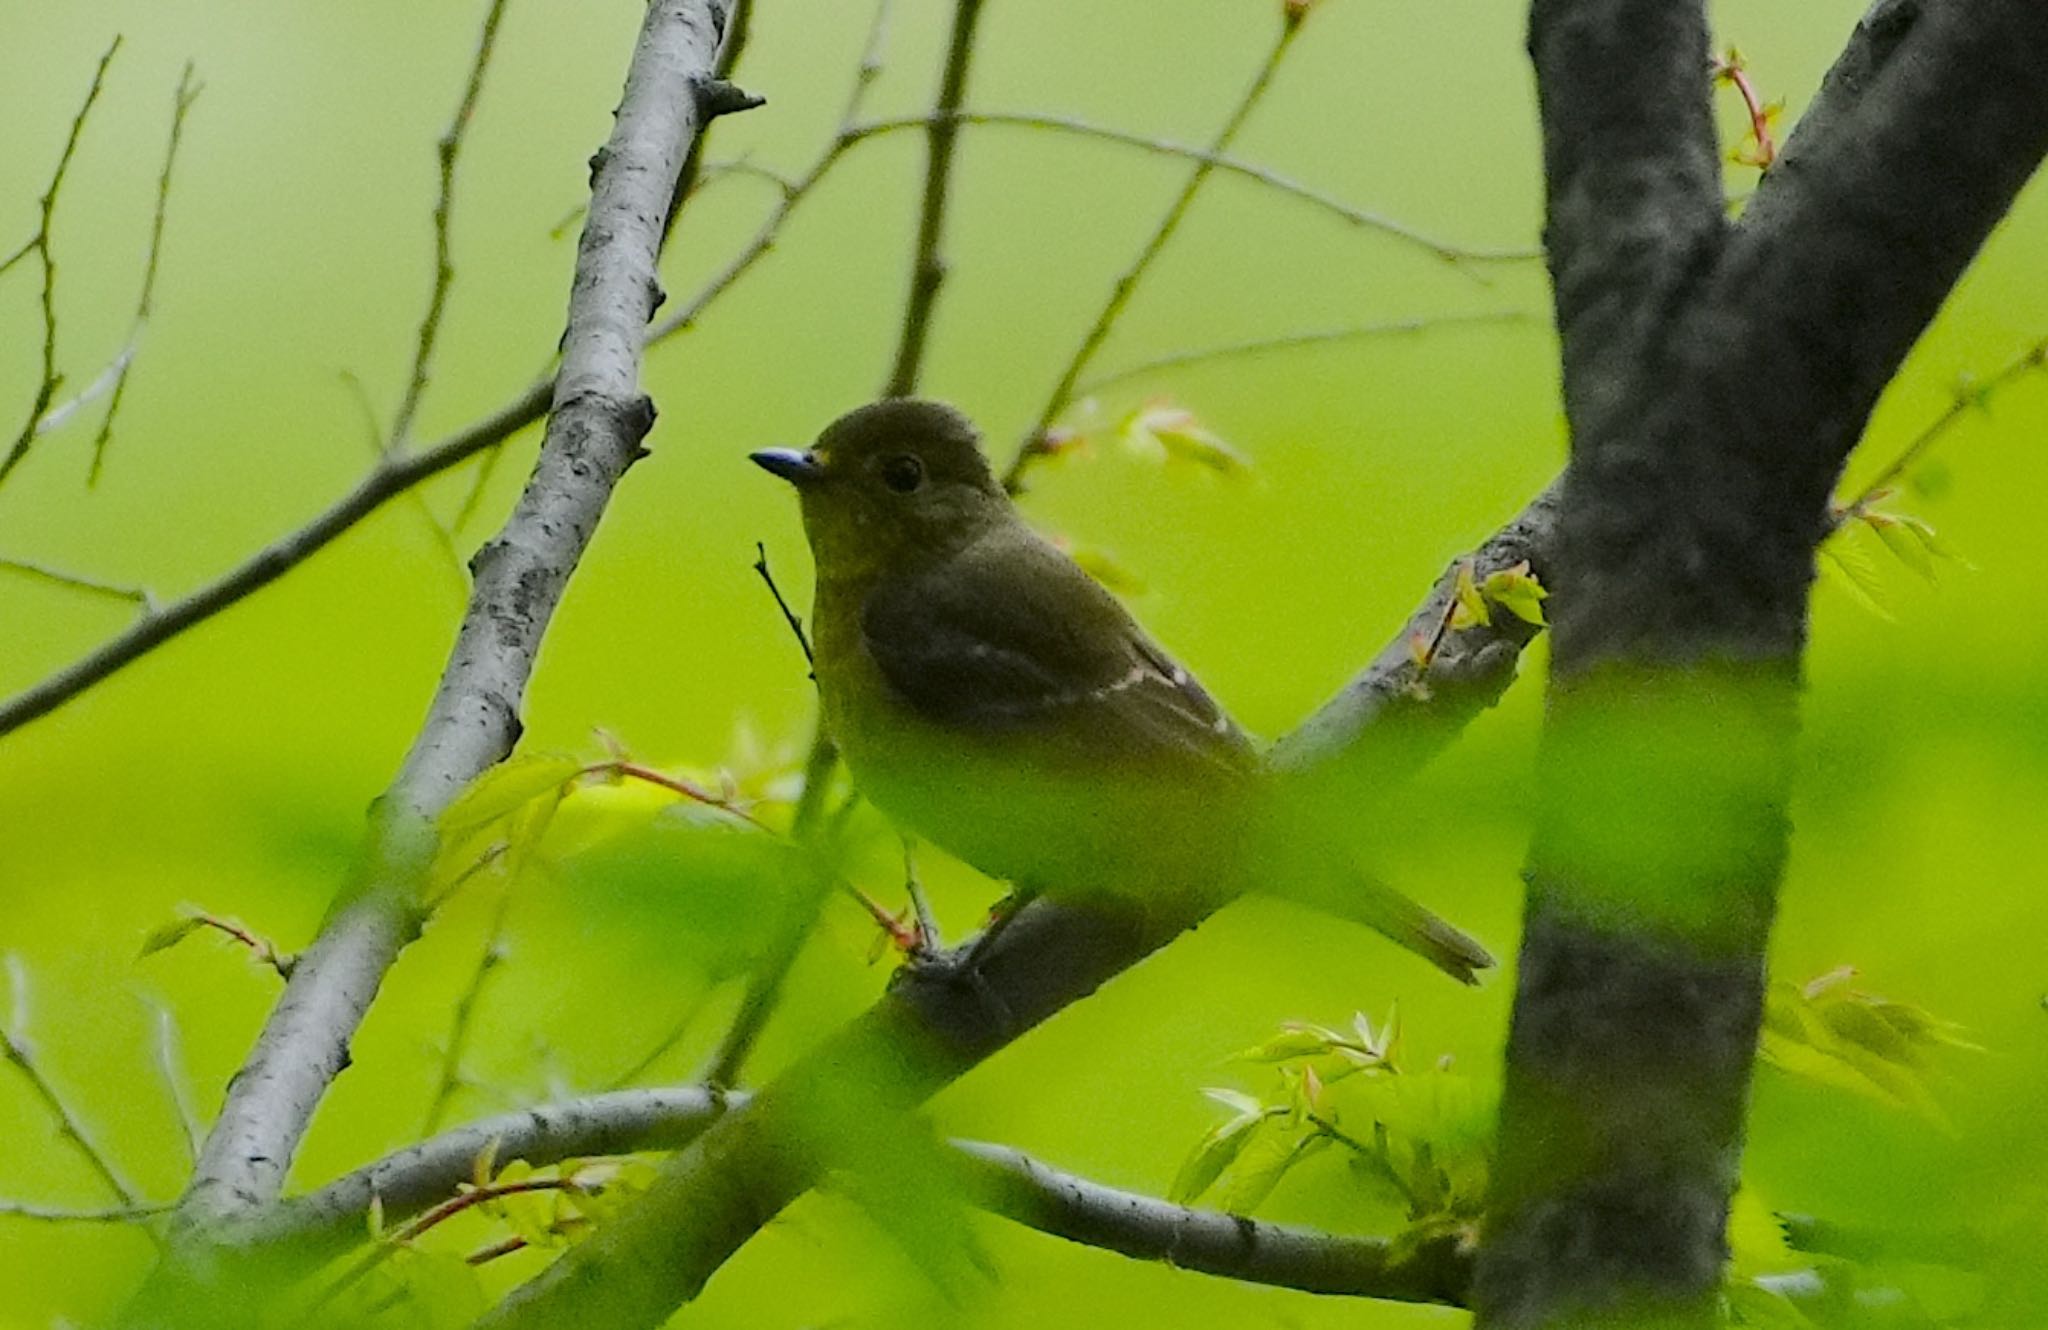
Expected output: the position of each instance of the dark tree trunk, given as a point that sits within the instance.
(1716, 375)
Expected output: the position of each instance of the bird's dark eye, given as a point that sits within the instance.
(903, 473)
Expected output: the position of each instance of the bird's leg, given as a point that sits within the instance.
(928, 940)
(999, 917)
(904, 935)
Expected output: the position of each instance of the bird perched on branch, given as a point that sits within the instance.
(994, 699)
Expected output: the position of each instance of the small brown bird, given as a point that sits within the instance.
(994, 699)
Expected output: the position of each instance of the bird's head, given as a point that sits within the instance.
(890, 483)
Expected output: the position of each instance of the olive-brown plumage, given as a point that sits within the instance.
(994, 699)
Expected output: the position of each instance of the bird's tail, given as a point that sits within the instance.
(1311, 872)
(1377, 905)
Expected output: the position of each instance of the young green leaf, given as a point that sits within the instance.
(1219, 1147)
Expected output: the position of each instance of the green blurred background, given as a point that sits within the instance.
(231, 768)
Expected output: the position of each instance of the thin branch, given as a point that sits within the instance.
(663, 1046)
(739, 25)
(487, 963)
(1456, 256)
(928, 262)
(1034, 1194)
(181, 103)
(45, 1214)
(16, 1049)
(1292, 342)
(598, 419)
(1973, 397)
(134, 595)
(171, 1069)
(799, 914)
(467, 1199)
(447, 151)
(418, 1176)
(1126, 284)
(381, 448)
(424, 1179)
(789, 616)
(39, 245)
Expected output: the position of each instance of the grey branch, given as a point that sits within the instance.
(16, 1049)
(928, 261)
(1030, 1192)
(998, 1178)
(1126, 284)
(39, 244)
(595, 427)
(447, 152)
(1458, 256)
(124, 363)
(1260, 346)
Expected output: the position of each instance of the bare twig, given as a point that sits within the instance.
(1972, 396)
(181, 102)
(39, 245)
(381, 449)
(468, 1198)
(446, 151)
(1457, 256)
(487, 963)
(739, 25)
(170, 1067)
(16, 1049)
(45, 1214)
(1292, 342)
(928, 262)
(1126, 284)
(134, 595)
(789, 616)
(662, 1046)
(1004, 1180)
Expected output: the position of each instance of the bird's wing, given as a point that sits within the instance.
(1011, 636)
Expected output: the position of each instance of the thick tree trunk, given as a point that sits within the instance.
(1715, 377)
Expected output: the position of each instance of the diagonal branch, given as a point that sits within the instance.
(1457, 256)
(1126, 284)
(928, 262)
(595, 427)
(998, 1178)
(124, 363)
(39, 244)
(1632, 175)
(935, 1023)
(1211, 1242)
(16, 1050)
(1924, 131)
(446, 152)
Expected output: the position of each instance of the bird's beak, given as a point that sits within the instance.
(798, 467)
